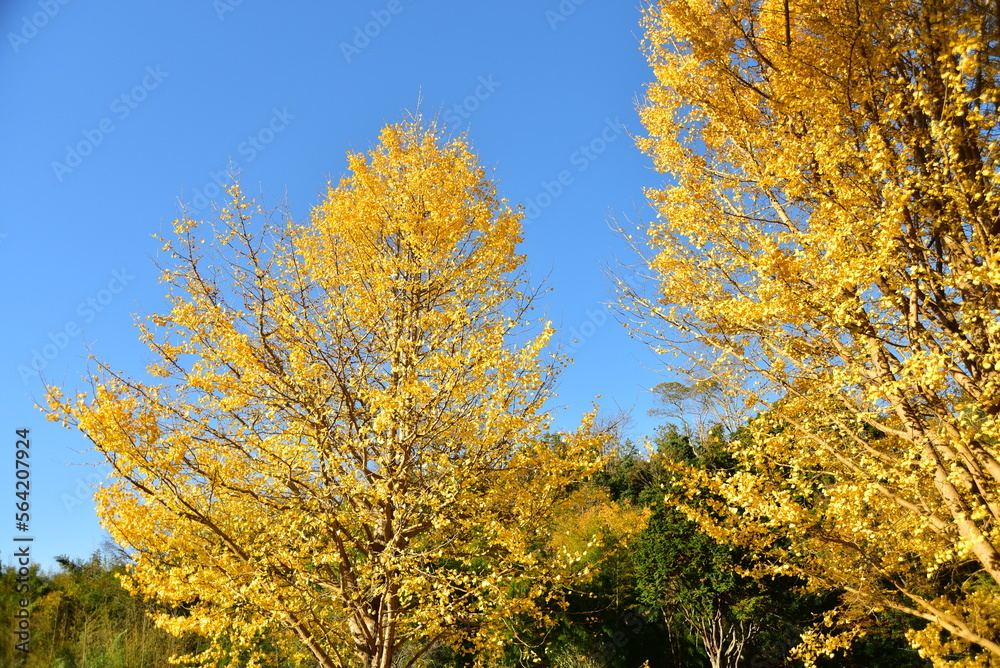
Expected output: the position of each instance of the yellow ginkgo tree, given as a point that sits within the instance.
(828, 246)
(339, 448)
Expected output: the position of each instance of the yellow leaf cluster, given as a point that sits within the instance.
(342, 450)
(828, 246)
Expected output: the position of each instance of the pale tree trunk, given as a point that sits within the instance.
(723, 641)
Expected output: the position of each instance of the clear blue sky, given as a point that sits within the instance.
(112, 111)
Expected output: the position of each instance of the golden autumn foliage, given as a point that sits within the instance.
(342, 447)
(829, 242)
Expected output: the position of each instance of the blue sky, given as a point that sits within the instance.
(114, 111)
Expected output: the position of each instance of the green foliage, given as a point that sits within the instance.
(628, 614)
(679, 565)
(81, 617)
(673, 445)
(630, 478)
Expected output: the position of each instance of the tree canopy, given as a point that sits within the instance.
(344, 447)
(340, 453)
(830, 243)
